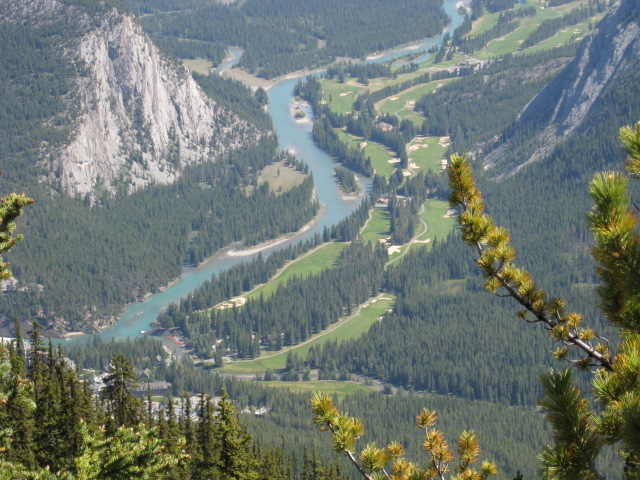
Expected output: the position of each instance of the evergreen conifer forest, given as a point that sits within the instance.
(473, 316)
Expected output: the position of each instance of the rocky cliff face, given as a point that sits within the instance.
(139, 117)
(563, 107)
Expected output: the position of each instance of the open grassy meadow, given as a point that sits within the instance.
(198, 65)
(280, 177)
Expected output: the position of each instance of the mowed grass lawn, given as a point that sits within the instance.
(490, 20)
(402, 104)
(427, 153)
(572, 33)
(486, 22)
(511, 42)
(355, 327)
(438, 227)
(340, 96)
(370, 313)
(313, 263)
(412, 116)
(332, 387)
(380, 156)
(398, 102)
(378, 227)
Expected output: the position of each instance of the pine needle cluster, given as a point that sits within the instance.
(10, 208)
(389, 463)
(502, 277)
(579, 433)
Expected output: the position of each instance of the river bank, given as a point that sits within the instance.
(262, 247)
(293, 136)
(254, 82)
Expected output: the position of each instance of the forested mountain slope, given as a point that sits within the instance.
(127, 158)
(281, 36)
(134, 116)
(607, 59)
(446, 334)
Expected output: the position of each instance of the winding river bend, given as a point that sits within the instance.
(294, 136)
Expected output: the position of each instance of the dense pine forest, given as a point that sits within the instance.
(53, 428)
(238, 401)
(282, 36)
(159, 230)
(210, 201)
(44, 415)
(444, 284)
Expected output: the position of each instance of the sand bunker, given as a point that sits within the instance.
(239, 301)
(417, 146)
(393, 160)
(393, 249)
(232, 303)
(444, 141)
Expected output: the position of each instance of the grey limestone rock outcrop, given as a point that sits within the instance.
(138, 116)
(564, 105)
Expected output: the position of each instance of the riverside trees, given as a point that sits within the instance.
(50, 428)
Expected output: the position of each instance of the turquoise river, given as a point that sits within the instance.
(294, 136)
